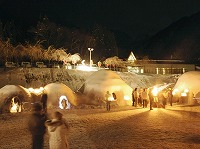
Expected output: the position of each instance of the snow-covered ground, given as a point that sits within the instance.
(94, 128)
(122, 128)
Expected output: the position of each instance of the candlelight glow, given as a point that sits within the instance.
(111, 98)
(13, 109)
(174, 91)
(15, 106)
(183, 94)
(36, 91)
(155, 91)
(63, 102)
(126, 97)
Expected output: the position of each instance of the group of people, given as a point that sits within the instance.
(57, 127)
(140, 98)
(143, 97)
(108, 98)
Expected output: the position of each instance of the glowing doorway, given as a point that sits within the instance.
(15, 105)
(64, 103)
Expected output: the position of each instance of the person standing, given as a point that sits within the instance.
(133, 99)
(170, 96)
(164, 98)
(151, 99)
(58, 129)
(36, 126)
(107, 99)
(44, 102)
(136, 96)
(144, 96)
(114, 96)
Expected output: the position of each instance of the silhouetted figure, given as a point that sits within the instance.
(136, 96)
(151, 99)
(107, 98)
(36, 126)
(144, 97)
(133, 99)
(64, 104)
(44, 102)
(114, 96)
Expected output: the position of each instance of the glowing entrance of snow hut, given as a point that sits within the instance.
(64, 103)
(59, 95)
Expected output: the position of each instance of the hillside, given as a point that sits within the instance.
(180, 40)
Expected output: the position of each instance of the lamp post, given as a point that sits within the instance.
(90, 49)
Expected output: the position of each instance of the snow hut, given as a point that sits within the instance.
(102, 81)
(59, 95)
(11, 98)
(187, 87)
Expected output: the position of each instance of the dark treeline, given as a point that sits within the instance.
(47, 34)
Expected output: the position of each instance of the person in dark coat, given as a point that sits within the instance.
(44, 102)
(36, 126)
(133, 99)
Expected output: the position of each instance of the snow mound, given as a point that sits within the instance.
(102, 81)
(9, 91)
(55, 91)
(12, 90)
(189, 80)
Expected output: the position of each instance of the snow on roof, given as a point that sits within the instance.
(131, 57)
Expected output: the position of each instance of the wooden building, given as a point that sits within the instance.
(158, 66)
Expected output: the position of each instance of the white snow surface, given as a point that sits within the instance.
(55, 91)
(102, 81)
(191, 81)
(121, 128)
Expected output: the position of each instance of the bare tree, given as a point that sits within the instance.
(75, 58)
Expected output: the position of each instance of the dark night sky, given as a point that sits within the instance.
(134, 17)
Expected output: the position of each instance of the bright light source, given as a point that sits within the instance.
(163, 71)
(36, 91)
(90, 49)
(126, 97)
(86, 68)
(142, 70)
(174, 91)
(15, 107)
(63, 102)
(31, 90)
(186, 90)
(110, 98)
(155, 91)
(184, 94)
(156, 70)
